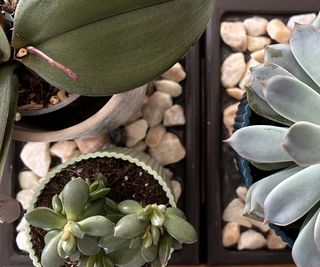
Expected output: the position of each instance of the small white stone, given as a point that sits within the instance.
(229, 115)
(262, 226)
(22, 241)
(22, 225)
(274, 241)
(75, 153)
(232, 70)
(247, 78)
(278, 31)
(230, 234)
(28, 180)
(170, 87)
(168, 173)
(251, 239)
(155, 135)
(25, 197)
(141, 146)
(257, 43)
(177, 190)
(36, 156)
(234, 35)
(63, 149)
(175, 73)
(169, 151)
(174, 116)
(233, 213)
(305, 19)
(136, 132)
(256, 26)
(92, 143)
(235, 92)
(258, 55)
(241, 192)
(153, 110)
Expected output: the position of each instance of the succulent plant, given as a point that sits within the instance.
(84, 225)
(92, 47)
(286, 90)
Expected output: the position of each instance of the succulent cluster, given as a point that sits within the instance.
(84, 225)
(92, 48)
(286, 90)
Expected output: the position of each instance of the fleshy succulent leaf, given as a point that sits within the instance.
(93, 208)
(111, 243)
(50, 256)
(155, 234)
(132, 49)
(157, 218)
(164, 249)
(135, 242)
(88, 245)
(128, 257)
(147, 241)
(96, 226)
(45, 218)
(129, 226)
(302, 143)
(247, 143)
(98, 194)
(284, 94)
(50, 235)
(316, 234)
(176, 211)
(305, 251)
(70, 245)
(56, 204)
(278, 206)
(150, 253)
(304, 36)
(5, 49)
(281, 54)
(262, 108)
(75, 229)
(180, 229)
(129, 207)
(74, 197)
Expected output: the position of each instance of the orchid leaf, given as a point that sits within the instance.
(74, 197)
(88, 245)
(305, 251)
(129, 226)
(281, 55)
(50, 256)
(264, 72)
(5, 49)
(301, 189)
(260, 143)
(45, 218)
(302, 143)
(262, 108)
(96, 226)
(180, 229)
(284, 94)
(303, 37)
(137, 40)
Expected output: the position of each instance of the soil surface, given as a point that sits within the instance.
(126, 180)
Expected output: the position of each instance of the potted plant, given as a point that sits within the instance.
(111, 208)
(285, 90)
(93, 49)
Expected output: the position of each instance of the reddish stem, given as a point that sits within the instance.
(41, 55)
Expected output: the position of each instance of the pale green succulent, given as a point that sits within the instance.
(286, 89)
(84, 225)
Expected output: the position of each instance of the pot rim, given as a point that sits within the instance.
(140, 159)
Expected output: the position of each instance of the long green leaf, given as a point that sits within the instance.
(293, 197)
(302, 143)
(304, 42)
(260, 143)
(45, 218)
(115, 46)
(5, 50)
(285, 94)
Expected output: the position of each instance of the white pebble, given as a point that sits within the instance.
(232, 70)
(155, 135)
(304, 19)
(241, 192)
(233, 213)
(258, 55)
(63, 149)
(174, 116)
(22, 241)
(230, 234)
(257, 43)
(251, 239)
(177, 190)
(25, 197)
(235, 92)
(175, 73)
(170, 87)
(278, 31)
(234, 35)
(256, 26)
(229, 115)
(274, 241)
(92, 143)
(28, 180)
(136, 132)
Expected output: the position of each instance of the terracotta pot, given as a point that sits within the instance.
(91, 116)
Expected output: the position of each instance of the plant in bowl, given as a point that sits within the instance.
(92, 48)
(285, 90)
(86, 221)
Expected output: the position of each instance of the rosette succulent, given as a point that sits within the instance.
(285, 89)
(84, 225)
(93, 48)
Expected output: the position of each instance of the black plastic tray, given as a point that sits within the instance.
(188, 170)
(221, 175)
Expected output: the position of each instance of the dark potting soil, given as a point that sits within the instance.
(126, 180)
